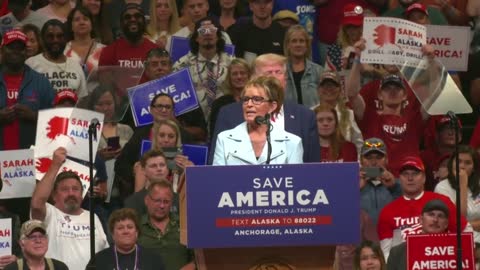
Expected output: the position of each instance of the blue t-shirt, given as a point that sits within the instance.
(307, 14)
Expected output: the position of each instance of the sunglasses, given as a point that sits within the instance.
(207, 30)
(373, 145)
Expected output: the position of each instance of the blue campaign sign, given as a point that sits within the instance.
(198, 154)
(273, 205)
(146, 145)
(178, 85)
(180, 46)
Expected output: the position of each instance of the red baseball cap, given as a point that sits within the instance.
(412, 162)
(417, 6)
(65, 94)
(352, 15)
(445, 120)
(14, 35)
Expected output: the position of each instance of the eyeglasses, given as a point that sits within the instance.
(163, 201)
(36, 237)
(373, 145)
(207, 30)
(136, 16)
(256, 100)
(162, 106)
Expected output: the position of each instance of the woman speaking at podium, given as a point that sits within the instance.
(247, 143)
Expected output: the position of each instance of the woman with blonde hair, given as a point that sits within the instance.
(302, 73)
(164, 22)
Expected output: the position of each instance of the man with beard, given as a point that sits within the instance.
(130, 51)
(67, 225)
(23, 92)
(160, 229)
(435, 15)
(62, 72)
(207, 61)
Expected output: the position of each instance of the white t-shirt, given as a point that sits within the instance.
(68, 75)
(473, 204)
(69, 237)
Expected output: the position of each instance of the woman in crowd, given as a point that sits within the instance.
(302, 73)
(113, 138)
(166, 137)
(333, 146)
(469, 184)
(125, 253)
(57, 9)
(230, 11)
(101, 26)
(369, 256)
(163, 23)
(82, 46)
(238, 74)
(330, 92)
(34, 46)
(247, 142)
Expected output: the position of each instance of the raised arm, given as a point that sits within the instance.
(44, 188)
(353, 82)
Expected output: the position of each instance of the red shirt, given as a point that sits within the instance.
(11, 131)
(4, 8)
(348, 153)
(122, 53)
(475, 139)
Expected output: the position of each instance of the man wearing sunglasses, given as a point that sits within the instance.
(129, 51)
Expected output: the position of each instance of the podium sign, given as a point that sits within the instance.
(273, 205)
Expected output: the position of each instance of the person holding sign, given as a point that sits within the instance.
(126, 253)
(433, 220)
(34, 244)
(67, 224)
(247, 142)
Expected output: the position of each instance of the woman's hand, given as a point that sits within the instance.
(428, 51)
(182, 161)
(161, 42)
(109, 153)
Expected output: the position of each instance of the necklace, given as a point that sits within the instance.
(217, 75)
(135, 266)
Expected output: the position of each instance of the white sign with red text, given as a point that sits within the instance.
(43, 163)
(5, 236)
(17, 173)
(393, 41)
(67, 127)
(451, 45)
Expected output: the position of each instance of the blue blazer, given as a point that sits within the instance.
(234, 147)
(299, 120)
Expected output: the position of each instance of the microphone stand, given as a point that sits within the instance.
(269, 143)
(92, 134)
(454, 123)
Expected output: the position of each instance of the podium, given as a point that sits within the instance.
(269, 216)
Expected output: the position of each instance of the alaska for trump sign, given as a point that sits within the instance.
(393, 41)
(439, 251)
(17, 172)
(66, 127)
(273, 205)
(178, 86)
(450, 46)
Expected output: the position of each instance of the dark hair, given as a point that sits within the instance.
(123, 214)
(154, 99)
(34, 29)
(17, 5)
(474, 178)
(376, 250)
(151, 154)
(97, 93)
(68, 25)
(101, 24)
(157, 52)
(194, 47)
(64, 176)
(52, 22)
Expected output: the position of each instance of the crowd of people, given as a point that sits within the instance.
(295, 74)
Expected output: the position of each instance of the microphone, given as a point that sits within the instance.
(94, 123)
(263, 119)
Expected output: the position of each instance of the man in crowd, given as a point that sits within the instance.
(62, 72)
(434, 220)
(24, 92)
(131, 50)
(34, 245)
(67, 224)
(378, 186)
(401, 217)
(436, 16)
(294, 118)
(207, 61)
(264, 35)
(21, 10)
(160, 229)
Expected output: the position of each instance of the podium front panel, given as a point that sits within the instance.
(273, 205)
